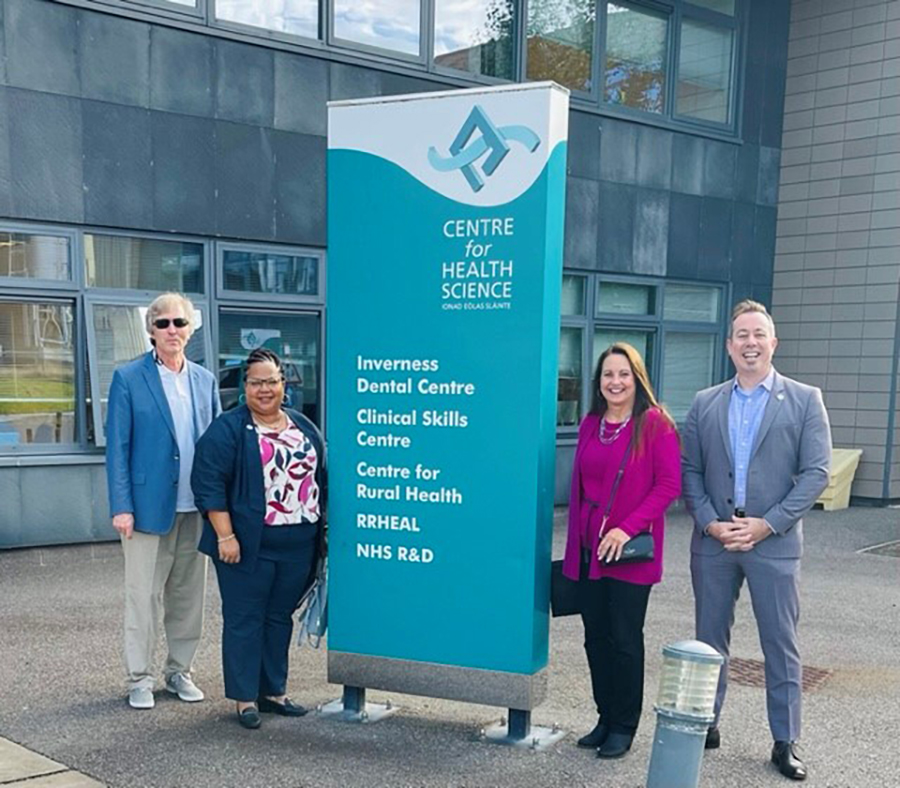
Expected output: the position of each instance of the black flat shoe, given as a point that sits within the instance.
(596, 737)
(784, 757)
(616, 745)
(249, 718)
(286, 709)
(713, 739)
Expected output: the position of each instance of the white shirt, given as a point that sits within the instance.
(177, 387)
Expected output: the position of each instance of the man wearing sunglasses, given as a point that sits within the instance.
(159, 406)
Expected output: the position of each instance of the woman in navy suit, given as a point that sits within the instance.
(259, 479)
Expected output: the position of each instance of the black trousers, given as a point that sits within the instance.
(258, 609)
(613, 613)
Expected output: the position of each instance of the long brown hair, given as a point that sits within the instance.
(644, 398)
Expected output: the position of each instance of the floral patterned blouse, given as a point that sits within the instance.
(289, 462)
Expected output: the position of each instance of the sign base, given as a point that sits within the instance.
(535, 737)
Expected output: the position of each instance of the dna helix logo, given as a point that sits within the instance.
(494, 141)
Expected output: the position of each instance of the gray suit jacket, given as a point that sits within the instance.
(789, 464)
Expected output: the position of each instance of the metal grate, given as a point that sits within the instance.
(889, 549)
(751, 673)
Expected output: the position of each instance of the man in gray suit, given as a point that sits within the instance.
(757, 451)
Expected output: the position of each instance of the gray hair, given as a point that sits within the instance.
(748, 305)
(164, 303)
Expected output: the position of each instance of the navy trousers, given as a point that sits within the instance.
(613, 613)
(257, 611)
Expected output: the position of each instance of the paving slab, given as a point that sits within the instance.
(19, 763)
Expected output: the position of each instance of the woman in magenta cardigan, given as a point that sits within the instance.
(625, 418)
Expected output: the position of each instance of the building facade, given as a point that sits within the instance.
(148, 145)
(837, 262)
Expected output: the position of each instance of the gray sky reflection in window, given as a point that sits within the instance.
(296, 17)
(475, 36)
(387, 24)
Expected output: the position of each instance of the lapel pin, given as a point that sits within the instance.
(779, 396)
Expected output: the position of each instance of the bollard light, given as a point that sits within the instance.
(684, 710)
(690, 675)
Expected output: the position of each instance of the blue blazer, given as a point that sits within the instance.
(228, 477)
(142, 462)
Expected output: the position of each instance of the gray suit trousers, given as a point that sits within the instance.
(774, 592)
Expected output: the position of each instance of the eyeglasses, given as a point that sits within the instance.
(256, 383)
(163, 322)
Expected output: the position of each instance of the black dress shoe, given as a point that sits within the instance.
(713, 739)
(249, 718)
(596, 737)
(616, 745)
(784, 757)
(286, 709)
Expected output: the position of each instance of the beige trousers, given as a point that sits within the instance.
(163, 574)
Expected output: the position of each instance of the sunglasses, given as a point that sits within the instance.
(163, 322)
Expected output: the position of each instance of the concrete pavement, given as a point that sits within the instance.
(62, 694)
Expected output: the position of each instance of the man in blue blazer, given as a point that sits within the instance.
(159, 406)
(757, 451)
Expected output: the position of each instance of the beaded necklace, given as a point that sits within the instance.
(608, 436)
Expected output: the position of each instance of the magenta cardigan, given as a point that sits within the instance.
(650, 482)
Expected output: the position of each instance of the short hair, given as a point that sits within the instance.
(261, 355)
(746, 306)
(163, 303)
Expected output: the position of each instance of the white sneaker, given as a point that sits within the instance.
(141, 698)
(182, 686)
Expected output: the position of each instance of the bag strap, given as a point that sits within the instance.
(615, 487)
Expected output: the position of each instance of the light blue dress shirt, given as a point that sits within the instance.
(177, 388)
(745, 414)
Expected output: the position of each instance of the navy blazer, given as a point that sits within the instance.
(228, 477)
(142, 458)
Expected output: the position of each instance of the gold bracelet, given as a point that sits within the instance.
(226, 538)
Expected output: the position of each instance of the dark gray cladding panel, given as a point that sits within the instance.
(299, 188)
(583, 155)
(744, 251)
(401, 84)
(582, 217)
(245, 203)
(764, 244)
(114, 55)
(651, 232)
(2, 46)
(181, 72)
(489, 687)
(654, 157)
(5, 173)
(618, 151)
(687, 164)
(715, 239)
(41, 41)
(615, 240)
(753, 97)
(301, 93)
(118, 172)
(769, 173)
(45, 133)
(60, 498)
(245, 83)
(12, 520)
(746, 173)
(351, 82)
(183, 173)
(684, 236)
(718, 169)
(775, 74)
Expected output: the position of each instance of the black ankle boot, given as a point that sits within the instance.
(596, 737)
(616, 745)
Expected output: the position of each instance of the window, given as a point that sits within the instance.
(560, 42)
(117, 334)
(477, 36)
(37, 373)
(393, 25)
(704, 71)
(294, 337)
(35, 256)
(677, 328)
(294, 17)
(270, 272)
(635, 68)
(645, 71)
(147, 264)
